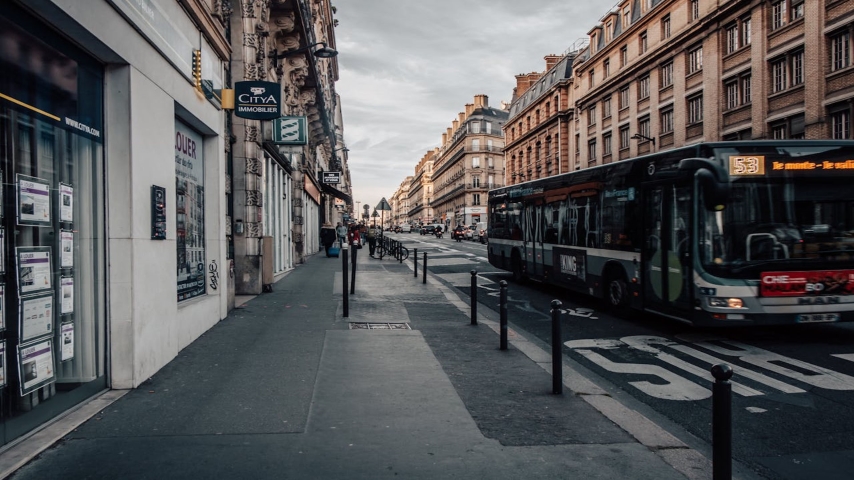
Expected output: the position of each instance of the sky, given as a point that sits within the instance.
(408, 67)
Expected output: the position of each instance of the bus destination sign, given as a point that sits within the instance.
(744, 165)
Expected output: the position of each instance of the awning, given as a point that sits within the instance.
(336, 193)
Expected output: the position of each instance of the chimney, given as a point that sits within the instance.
(551, 61)
(522, 84)
(444, 138)
(455, 125)
(449, 133)
(469, 109)
(481, 101)
(461, 117)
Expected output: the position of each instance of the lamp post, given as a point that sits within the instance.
(639, 136)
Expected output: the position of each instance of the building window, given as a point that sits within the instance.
(732, 96)
(489, 147)
(475, 199)
(788, 128)
(695, 109)
(643, 128)
(475, 162)
(490, 181)
(665, 27)
(667, 120)
(609, 31)
(745, 31)
(840, 124)
(624, 98)
(591, 115)
(590, 79)
(667, 74)
(695, 60)
(643, 43)
(840, 51)
(624, 137)
(490, 163)
(796, 61)
(745, 88)
(624, 56)
(488, 128)
(778, 14)
(606, 68)
(475, 182)
(732, 38)
(797, 10)
(606, 144)
(778, 75)
(627, 17)
(737, 91)
(606, 107)
(591, 150)
(643, 88)
(475, 127)
(694, 6)
(475, 144)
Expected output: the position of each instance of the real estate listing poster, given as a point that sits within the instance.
(66, 336)
(33, 201)
(66, 291)
(36, 317)
(35, 365)
(66, 249)
(66, 202)
(33, 269)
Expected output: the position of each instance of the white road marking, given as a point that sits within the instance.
(756, 410)
(844, 356)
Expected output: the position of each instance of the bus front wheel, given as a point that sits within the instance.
(617, 293)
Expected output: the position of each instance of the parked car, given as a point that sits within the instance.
(428, 229)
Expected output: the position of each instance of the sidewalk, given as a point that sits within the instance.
(285, 388)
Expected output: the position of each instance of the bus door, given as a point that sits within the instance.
(533, 240)
(667, 260)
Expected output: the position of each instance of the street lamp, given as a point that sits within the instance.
(323, 52)
(638, 136)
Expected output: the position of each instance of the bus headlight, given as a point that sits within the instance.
(726, 302)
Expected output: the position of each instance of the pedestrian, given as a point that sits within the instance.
(327, 237)
(372, 239)
(341, 230)
(354, 237)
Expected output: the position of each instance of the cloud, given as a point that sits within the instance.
(408, 67)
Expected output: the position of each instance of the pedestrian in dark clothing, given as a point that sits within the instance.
(327, 237)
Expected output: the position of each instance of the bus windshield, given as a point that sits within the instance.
(780, 222)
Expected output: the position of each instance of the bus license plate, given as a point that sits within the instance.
(818, 317)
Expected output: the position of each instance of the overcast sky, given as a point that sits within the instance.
(408, 67)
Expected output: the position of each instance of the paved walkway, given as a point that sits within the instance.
(285, 387)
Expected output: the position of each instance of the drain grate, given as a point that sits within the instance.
(379, 326)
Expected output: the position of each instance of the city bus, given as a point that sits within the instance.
(720, 233)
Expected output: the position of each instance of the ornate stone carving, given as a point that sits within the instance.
(254, 198)
(252, 133)
(253, 166)
(262, 29)
(253, 229)
(250, 71)
(250, 40)
(284, 23)
(248, 8)
(227, 182)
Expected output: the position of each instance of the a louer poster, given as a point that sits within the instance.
(190, 208)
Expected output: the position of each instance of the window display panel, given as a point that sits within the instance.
(189, 211)
(52, 163)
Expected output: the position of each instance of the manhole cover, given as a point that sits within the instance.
(379, 326)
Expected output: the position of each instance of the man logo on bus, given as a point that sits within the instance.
(650, 169)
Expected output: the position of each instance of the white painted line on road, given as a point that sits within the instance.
(756, 410)
(844, 356)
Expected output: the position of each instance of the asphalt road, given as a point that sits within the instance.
(793, 388)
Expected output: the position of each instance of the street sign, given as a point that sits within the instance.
(332, 177)
(383, 205)
(257, 100)
(290, 131)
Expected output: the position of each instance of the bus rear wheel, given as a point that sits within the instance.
(617, 292)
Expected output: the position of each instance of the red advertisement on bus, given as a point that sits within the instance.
(799, 284)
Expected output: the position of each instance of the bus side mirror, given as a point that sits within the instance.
(713, 178)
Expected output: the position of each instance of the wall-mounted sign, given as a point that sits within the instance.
(257, 100)
(290, 131)
(333, 178)
(158, 213)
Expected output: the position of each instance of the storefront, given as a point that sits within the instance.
(112, 204)
(52, 239)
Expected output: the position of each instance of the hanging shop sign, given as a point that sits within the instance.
(257, 100)
(333, 178)
(290, 131)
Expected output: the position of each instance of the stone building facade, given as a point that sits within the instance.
(421, 191)
(469, 162)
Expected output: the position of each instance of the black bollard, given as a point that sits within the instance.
(474, 297)
(415, 263)
(425, 269)
(344, 276)
(557, 356)
(502, 308)
(722, 422)
(353, 254)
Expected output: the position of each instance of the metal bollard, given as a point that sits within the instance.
(344, 276)
(722, 422)
(425, 269)
(353, 273)
(474, 297)
(557, 356)
(502, 308)
(415, 262)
